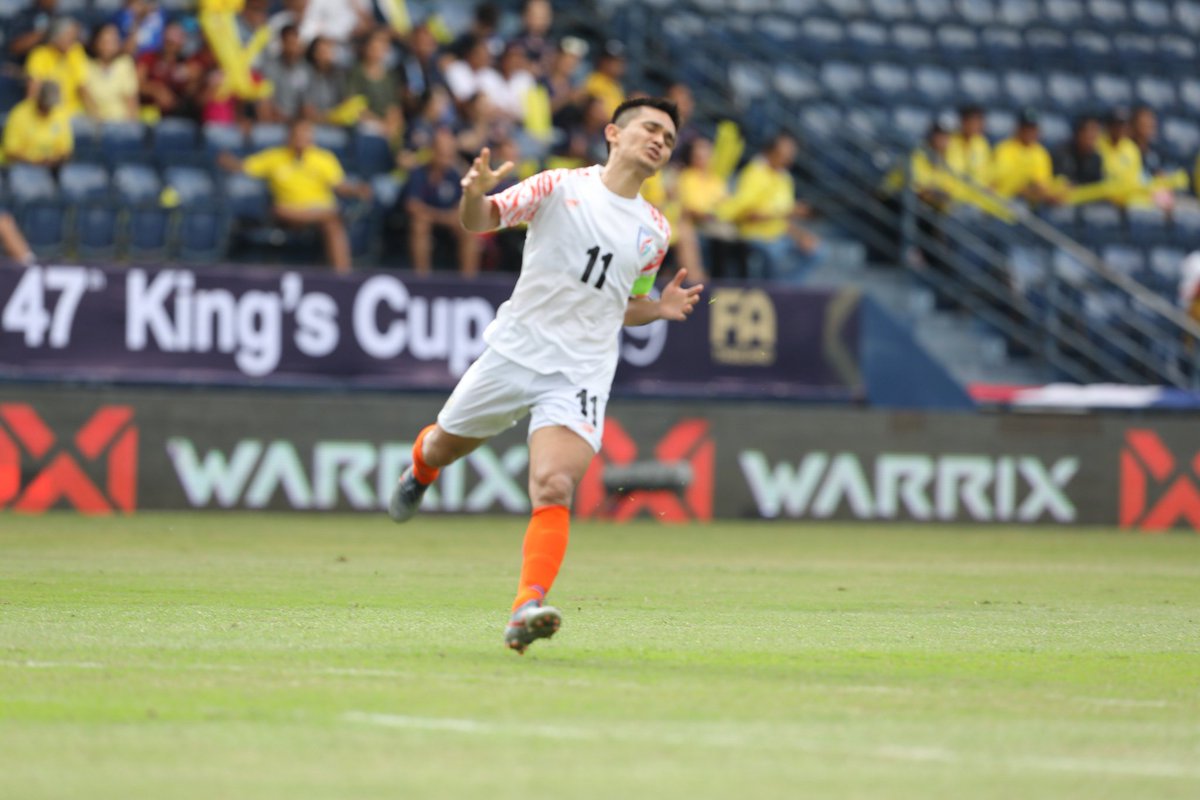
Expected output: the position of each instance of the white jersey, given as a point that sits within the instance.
(586, 248)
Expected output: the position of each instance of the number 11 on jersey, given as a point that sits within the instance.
(593, 254)
(583, 404)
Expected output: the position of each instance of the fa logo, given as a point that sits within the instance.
(62, 470)
(742, 327)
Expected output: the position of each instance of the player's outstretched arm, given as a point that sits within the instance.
(475, 210)
(675, 303)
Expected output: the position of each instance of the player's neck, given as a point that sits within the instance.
(623, 179)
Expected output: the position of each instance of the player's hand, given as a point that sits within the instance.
(481, 178)
(677, 302)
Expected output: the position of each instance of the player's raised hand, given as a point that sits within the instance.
(481, 178)
(677, 302)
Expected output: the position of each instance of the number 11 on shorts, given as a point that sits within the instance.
(583, 404)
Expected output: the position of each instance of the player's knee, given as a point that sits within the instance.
(551, 488)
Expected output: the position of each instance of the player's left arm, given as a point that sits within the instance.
(675, 303)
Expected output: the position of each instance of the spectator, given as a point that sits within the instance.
(291, 13)
(1121, 157)
(170, 80)
(418, 70)
(1189, 286)
(29, 28)
(304, 181)
(484, 24)
(566, 91)
(968, 152)
(436, 112)
(431, 200)
(764, 208)
(514, 82)
(14, 242)
(472, 72)
(480, 125)
(1022, 166)
(681, 95)
(111, 87)
(327, 90)
(537, 17)
(291, 76)
(38, 130)
(141, 24)
(1143, 130)
(1079, 160)
(605, 80)
(372, 80)
(338, 21)
(931, 177)
(61, 60)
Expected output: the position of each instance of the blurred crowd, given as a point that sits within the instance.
(529, 91)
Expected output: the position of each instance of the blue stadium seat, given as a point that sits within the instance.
(1137, 52)
(1158, 93)
(842, 79)
(124, 142)
(31, 183)
(911, 42)
(1047, 48)
(175, 140)
(999, 124)
(749, 80)
(1189, 92)
(1187, 16)
(1002, 47)
(868, 40)
(980, 86)
(94, 230)
(912, 122)
(978, 13)
(224, 139)
(193, 185)
(1153, 16)
(1185, 227)
(847, 9)
(1054, 129)
(821, 37)
(1064, 14)
(248, 198)
(1181, 137)
(146, 232)
(1108, 14)
(1165, 262)
(820, 120)
(936, 84)
(335, 140)
(933, 12)
(958, 44)
(201, 234)
(12, 91)
(1112, 90)
(1024, 89)
(870, 122)
(891, 10)
(1092, 49)
(136, 183)
(1126, 260)
(1176, 55)
(889, 83)
(1147, 226)
(87, 140)
(266, 135)
(792, 82)
(79, 182)
(776, 32)
(1068, 91)
(1017, 13)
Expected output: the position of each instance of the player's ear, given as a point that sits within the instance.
(611, 132)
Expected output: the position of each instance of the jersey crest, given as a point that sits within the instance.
(645, 243)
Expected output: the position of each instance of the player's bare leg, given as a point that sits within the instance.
(434, 449)
(558, 458)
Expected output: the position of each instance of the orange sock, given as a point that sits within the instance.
(421, 471)
(545, 546)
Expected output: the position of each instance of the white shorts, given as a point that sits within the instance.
(495, 393)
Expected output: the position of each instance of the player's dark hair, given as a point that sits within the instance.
(620, 118)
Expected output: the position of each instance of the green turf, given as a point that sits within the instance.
(272, 656)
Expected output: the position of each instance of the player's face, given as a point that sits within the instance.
(648, 139)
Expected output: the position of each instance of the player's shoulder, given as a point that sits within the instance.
(656, 218)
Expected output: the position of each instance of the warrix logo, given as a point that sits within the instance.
(94, 472)
(332, 474)
(914, 486)
(688, 441)
(1157, 492)
(742, 327)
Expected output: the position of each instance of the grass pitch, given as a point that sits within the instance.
(272, 656)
